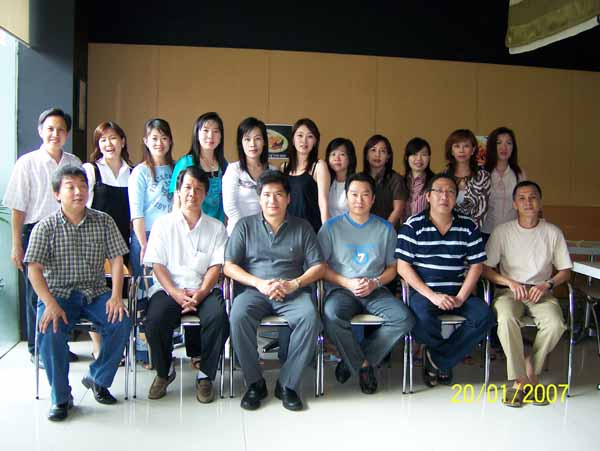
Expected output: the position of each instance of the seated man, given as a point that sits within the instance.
(359, 250)
(267, 254)
(440, 256)
(520, 257)
(65, 257)
(185, 250)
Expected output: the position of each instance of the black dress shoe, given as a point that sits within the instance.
(342, 372)
(101, 394)
(289, 397)
(59, 412)
(445, 377)
(367, 380)
(255, 393)
(73, 357)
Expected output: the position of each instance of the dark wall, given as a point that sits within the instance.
(49, 70)
(472, 31)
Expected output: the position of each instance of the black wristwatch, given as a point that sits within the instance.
(550, 282)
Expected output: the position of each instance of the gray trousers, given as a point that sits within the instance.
(249, 307)
(341, 305)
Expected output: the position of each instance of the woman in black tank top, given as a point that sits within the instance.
(108, 174)
(308, 176)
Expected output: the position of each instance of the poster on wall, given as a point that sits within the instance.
(279, 140)
(481, 150)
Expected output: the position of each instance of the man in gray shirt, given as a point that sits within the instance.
(359, 250)
(267, 254)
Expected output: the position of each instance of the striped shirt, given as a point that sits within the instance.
(441, 261)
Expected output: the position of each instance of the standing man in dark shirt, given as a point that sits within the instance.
(267, 254)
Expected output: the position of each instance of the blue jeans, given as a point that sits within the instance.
(135, 251)
(428, 328)
(54, 350)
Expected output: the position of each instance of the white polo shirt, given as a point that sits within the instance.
(29, 188)
(187, 254)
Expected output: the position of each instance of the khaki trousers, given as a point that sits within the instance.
(548, 319)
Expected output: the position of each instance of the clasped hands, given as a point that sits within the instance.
(277, 289)
(361, 286)
(534, 294)
(447, 301)
(188, 298)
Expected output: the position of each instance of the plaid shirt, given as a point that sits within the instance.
(73, 254)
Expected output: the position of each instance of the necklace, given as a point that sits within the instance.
(209, 166)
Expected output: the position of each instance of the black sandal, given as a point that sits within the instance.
(430, 374)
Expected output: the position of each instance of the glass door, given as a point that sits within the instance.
(9, 293)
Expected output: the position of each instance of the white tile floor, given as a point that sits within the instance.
(343, 419)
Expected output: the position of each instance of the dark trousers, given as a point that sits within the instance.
(31, 299)
(164, 314)
(446, 353)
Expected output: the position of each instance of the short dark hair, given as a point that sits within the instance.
(194, 172)
(335, 144)
(272, 176)
(68, 170)
(440, 176)
(55, 112)
(360, 177)
(525, 183)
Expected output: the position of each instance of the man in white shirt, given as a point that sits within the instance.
(30, 198)
(185, 250)
(521, 255)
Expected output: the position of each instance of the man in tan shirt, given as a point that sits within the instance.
(521, 255)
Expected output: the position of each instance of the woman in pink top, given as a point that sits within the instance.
(417, 173)
(502, 164)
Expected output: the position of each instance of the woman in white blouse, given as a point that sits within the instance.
(502, 163)
(239, 182)
(341, 160)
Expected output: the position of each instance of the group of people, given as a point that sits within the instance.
(275, 233)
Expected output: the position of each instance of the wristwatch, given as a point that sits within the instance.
(377, 280)
(550, 282)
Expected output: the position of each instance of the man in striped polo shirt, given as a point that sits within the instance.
(440, 255)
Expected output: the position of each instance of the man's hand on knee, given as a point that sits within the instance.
(53, 313)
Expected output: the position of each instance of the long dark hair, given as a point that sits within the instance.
(245, 127)
(389, 164)
(313, 156)
(162, 126)
(491, 159)
(99, 131)
(457, 136)
(335, 144)
(412, 148)
(195, 147)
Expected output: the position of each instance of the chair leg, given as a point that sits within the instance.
(595, 316)
(36, 356)
(405, 365)
(231, 367)
(222, 381)
(322, 360)
(487, 360)
(410, 361)
(127, 356)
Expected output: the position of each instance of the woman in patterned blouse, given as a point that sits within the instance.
(417, 156)
(473, 182)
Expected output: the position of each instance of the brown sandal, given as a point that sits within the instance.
(513, 398)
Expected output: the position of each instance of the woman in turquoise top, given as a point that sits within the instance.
(207, 153)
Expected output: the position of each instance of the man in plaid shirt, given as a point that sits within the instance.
(66, 256)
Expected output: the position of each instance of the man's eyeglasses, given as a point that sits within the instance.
(449, 193)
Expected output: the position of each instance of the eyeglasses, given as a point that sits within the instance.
(449, 193)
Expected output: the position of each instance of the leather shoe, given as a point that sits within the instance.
(255, 393)
(158, 389)
(342, 372)
(59, 412)
(204, 391)
(367, 380)
(101, 394)
(289, 397)
(73, 357)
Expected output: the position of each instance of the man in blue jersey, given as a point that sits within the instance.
(440, 255)
(359, 250)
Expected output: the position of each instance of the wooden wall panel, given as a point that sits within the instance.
(122, 86)
(585, 169)
(193, 81)
(336, 91)
(536, 104)
(422, 98)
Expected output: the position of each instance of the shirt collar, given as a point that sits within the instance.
(64, 219)
(124, 165)
(46, 156)
(182, 220)
(427, 213)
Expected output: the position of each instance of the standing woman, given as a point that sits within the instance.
(149, 195)
(417, 157)
(207, 153)
(390, 189)
(502, 164)
(341, 161)
(308, 176)
(108, 176)
(473, 182)
(239, 182)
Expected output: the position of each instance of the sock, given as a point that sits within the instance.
(201, 375)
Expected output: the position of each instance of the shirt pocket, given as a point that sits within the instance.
(199, 262)
(93, 253)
